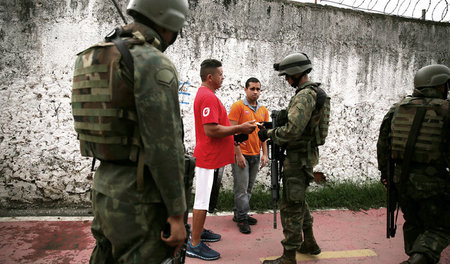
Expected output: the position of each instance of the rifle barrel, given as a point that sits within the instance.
(274, 215)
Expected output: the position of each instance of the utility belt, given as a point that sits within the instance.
(434, 170)
(301, 146)
(127, 163)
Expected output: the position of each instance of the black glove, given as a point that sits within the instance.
(239, 138)
(268, 125)
(262, 134)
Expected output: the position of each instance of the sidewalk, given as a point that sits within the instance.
(344, 236)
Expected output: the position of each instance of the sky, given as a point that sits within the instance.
(437, 10)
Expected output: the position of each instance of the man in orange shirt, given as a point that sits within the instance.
(248, 159)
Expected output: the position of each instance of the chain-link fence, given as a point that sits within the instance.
(435, 10)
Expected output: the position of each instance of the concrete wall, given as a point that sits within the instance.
(365, 62)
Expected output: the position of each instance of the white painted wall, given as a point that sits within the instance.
(365, 62)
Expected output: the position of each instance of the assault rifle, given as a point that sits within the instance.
(189, 166)
(276, 164)
(392, 202)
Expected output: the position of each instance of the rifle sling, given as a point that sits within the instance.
(129, 64)
(412, 138)
(126, 55)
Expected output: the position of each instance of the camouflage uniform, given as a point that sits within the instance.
(302, 155)
(128, 222)
(424, 195)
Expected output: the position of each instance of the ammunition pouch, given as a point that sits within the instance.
(295, 189)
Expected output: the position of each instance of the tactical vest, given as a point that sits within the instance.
(316, 131)
(431, 138)
(323, 113)
(103, 104)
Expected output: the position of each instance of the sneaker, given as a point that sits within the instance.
(244, 228)
(209, 236)
(251, 220)
(201, 251)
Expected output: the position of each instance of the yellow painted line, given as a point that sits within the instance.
(331, 254)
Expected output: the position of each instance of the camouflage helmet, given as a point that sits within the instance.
(169, 14)
(293, 64)
(431, 75)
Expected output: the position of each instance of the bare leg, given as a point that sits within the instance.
(198, 221)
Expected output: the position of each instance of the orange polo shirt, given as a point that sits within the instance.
(241, 111)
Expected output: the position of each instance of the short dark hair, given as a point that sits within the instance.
(208, 66)
(251, 79)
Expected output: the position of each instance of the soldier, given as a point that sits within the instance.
(413, 151)
(126, 112)
(306, 111)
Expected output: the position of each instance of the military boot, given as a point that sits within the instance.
(416, 259)
(287, 258)
(309, 245)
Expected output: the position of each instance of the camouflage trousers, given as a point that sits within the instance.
(427, 225)
(294, 210)
(127, 232)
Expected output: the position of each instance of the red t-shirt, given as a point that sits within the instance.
(211, 152)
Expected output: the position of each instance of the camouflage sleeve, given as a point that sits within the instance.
(156, 97)
(300, 110)
(384, 143)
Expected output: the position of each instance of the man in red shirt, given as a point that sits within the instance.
(213, 150)
(248, 155)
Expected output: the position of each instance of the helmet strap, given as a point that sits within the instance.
(447, 87)
(296, 80)
(174, 38)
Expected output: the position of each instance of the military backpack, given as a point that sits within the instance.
(321, 117)
(103, 103)
(432, 135)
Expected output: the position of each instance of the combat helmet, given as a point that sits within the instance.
(293, 64)
(169, 14)
(431, 75)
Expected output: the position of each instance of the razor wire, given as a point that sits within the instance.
(435, 10)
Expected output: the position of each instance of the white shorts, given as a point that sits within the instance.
(204, 179)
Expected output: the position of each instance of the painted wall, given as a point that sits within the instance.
(364, 61)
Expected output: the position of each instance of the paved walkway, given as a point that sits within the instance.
(344, 236)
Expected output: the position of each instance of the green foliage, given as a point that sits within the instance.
(348, 195)
(353, 196)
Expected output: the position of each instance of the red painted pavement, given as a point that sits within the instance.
(335, 230)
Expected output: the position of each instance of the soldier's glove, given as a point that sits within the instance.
(282, 117)
(262, 134)
(239, 138)
(268, 125)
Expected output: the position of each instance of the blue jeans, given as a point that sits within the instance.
(244, 179)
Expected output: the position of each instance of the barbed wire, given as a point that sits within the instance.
(436, 10)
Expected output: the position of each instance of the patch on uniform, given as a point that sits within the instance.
(165, 77)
